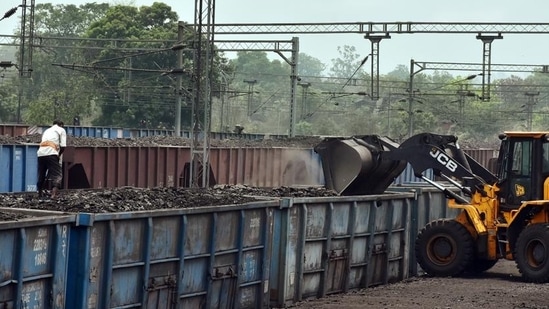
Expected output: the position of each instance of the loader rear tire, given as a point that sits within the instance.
(532, 253)
(444, 248)
(479, 266)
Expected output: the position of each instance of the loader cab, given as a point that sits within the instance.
(523, 166)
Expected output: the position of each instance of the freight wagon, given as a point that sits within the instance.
(266, 254)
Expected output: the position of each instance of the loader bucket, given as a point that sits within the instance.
(353, 166)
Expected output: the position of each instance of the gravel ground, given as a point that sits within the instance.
(499, 288)
(136, 199)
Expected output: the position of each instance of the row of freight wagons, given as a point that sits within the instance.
(266, 254)
(166, 166)
(113, 133)
(162, 166)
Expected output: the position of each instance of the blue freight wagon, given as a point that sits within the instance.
(206, 257)
(269, 253)
(34, 259)
(19, 165)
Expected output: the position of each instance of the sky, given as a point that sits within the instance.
(529, 49)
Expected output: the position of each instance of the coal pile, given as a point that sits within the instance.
(128, 199)
(14, 140)
(280, 191)
(161, 140)
(8, 216)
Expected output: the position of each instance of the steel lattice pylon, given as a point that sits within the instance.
(204, 20)
(27, 35)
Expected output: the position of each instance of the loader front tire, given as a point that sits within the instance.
(532, 253)
(444, 248)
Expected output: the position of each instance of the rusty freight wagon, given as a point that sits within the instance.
(165, 166)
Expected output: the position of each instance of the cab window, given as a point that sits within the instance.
(522, 154)
(545, 158)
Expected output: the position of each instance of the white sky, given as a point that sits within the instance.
(513, 49)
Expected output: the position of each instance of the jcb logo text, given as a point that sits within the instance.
(443, 159)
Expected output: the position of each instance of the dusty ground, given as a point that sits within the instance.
(499, 288)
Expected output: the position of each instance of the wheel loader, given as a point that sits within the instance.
(504, 209)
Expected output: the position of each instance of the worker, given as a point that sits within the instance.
(54, 141)
(238, 129)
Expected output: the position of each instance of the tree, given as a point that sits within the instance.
(260, 90)
(67, 20)
(310, 66)
(401, 73)
(54, 91)
(8, 101)
(134, 90)
(345, 67)
(137, 87)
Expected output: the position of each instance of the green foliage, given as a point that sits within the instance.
(55, 91)
(8, 101)
(64, 20)
(44, 109)
(133, 88)
(304, 128)
(105, 80)
(349, 62)
(257, 91)
(310, 66)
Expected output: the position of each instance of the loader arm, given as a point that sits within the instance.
(442, 154)
(369, 164)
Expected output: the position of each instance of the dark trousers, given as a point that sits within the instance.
(49, 167)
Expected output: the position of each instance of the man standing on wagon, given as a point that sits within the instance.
(54, 141)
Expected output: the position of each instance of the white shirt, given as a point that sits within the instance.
(52, 139)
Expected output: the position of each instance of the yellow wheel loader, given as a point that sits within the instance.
(504, 210)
